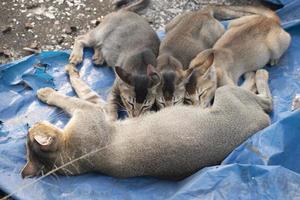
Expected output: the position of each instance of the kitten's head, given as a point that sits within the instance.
(44, 142)
(202, 85)
(171, 91)
(138, 91)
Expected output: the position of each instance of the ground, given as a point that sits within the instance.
(28, 26)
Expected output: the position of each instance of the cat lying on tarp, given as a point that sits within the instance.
(172, 143)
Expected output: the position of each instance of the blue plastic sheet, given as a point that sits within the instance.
(266, 166)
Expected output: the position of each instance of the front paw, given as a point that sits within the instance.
(76, 58)
(262, 74)
(44, 93)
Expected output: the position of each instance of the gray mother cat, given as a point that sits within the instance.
(172, 143)
(127, 41)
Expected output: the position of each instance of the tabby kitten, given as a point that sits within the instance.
(186, 36)
(126, 40)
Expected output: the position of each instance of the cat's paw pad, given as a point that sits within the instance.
(296, 102)
(76, 58)
(71, 70)
(44, 93)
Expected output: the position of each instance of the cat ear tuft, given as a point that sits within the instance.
(123, 75)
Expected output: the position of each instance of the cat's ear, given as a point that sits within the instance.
(45, 142)
(186, 75)
(123, 75)
(203, 63)
(30, 169)
(154, 76)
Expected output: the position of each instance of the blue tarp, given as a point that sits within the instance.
(266, 166)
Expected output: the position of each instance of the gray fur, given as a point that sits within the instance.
(190, 139)
(126, 40)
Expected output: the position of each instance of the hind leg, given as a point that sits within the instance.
(264, 94)
(278, 41)
(249, 83)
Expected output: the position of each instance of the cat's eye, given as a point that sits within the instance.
(177, 100)
(130, 101)
(147, 102)
(161, 101)
(144, 107)
(188, 101)
(201, 94)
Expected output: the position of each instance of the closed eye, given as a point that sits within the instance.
(163, 104)
(177, 100)
(188, 101)
(129, 103)
(202, 93)
(145, 107)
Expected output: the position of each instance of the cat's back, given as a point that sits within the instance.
(127, 32)
(257, 29)
(194, 33)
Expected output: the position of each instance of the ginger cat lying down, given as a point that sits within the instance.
(172, 143)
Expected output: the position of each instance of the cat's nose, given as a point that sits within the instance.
(169, 103)
(135, 113)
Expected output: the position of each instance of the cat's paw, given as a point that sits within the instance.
(44, 93)
(262, 74)
(98, 59)
(296, 102)
(273, 62)
(71, 70)
(76, 58)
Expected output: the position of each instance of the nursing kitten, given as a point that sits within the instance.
(190, 139)
(249, 44)
(186, 36)
(127, 41)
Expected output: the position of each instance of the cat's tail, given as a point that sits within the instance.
(134, 7)
(232, 12)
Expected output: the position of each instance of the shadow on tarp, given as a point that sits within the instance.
(266, 166)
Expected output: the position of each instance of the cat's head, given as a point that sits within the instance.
(137, 91)
(202, 85)
(44, 142)
(171, 91)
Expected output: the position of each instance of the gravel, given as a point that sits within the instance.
(29, 26)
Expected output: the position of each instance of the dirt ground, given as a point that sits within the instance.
(28, 26)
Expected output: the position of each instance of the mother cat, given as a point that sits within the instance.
(187, 140)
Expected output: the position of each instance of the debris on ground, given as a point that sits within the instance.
(54, 24)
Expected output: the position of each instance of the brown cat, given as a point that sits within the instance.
(249, 44)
